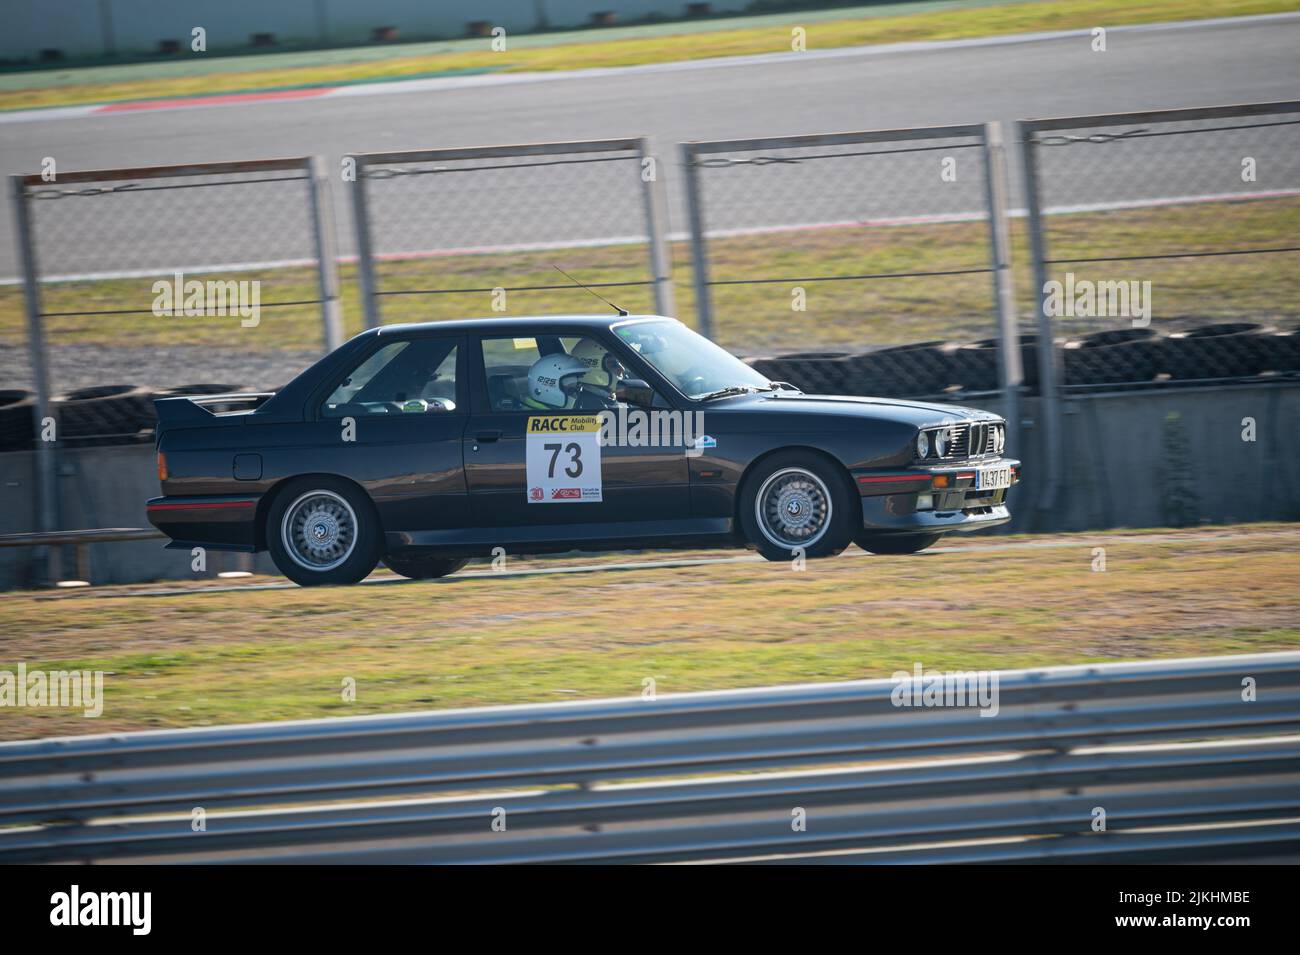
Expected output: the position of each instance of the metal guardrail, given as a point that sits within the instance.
(1181, 763)
(80, 541)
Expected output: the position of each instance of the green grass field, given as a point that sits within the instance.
(227, 657)
(668, 43)
(755, 318)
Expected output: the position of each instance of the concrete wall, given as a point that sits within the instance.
(94, 27)
(1127, 460)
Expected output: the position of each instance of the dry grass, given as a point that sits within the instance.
(261, 655)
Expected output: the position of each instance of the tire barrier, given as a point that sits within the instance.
(1120, 356)
(1226, 350)
(926, 368)
(106, 414)
(17, 421)
(1125, 356)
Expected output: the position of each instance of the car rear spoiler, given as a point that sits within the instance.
(207, 409)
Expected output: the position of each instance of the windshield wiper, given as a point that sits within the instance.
(729, 390)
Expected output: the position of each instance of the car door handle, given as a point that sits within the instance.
(487, 437)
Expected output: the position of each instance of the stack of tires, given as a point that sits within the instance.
(17, 420)
(1226, 350)
(102, 415)
(1124, 356)
(1120, 356)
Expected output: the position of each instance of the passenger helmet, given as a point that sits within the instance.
(554, 378)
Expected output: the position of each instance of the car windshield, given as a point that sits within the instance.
(697, 367)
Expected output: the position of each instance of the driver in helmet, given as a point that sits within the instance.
(604, 371)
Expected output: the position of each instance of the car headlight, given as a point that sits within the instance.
(942, 442)
(999, 438)
(922, 445)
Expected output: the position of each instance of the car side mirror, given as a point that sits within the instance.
(634, 391)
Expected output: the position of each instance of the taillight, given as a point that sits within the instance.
(162, 466)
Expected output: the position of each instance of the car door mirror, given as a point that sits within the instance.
(634, 391)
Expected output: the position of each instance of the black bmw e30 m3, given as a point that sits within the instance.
(426, 445)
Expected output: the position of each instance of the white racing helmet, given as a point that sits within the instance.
(553, 379)
(603, 369)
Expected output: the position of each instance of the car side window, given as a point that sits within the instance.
(415, 376)
(584, 379)
(506, 362)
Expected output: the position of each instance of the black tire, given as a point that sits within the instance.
(347, 547)
(17, 420)
(819, 486)
(1224, 350)
(895, 543)
(425, 568)
(104, 412)
(924, 368)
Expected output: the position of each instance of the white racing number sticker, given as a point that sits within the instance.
(563, 459)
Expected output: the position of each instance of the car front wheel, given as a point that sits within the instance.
(428, 568)
(797, 504)
(323, 531)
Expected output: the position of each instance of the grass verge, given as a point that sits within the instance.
(262, 655)
(752, 318)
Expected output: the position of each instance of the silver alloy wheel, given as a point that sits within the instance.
(793, 508)
(319, 530)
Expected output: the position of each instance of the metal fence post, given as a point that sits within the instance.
(1010, 372)
(327, 259)
(1049, 358)
(699, 253)
(365, 262)
(656, 215)
(48, 512)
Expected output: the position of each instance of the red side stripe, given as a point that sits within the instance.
(198, 505)
(891, 478)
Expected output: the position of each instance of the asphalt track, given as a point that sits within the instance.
(932, 84)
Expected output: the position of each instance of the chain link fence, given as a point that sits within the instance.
(163, 280)
(854, 263)
(1167, 244)
(450, 233)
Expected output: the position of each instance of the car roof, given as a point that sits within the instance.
(504, 324)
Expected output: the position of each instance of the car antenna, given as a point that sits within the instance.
(621, 311)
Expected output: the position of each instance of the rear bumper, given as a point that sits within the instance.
(218, 523)
(890, 499)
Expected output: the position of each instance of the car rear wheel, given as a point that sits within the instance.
(896, 543)
(323, 531)
(425, 568)
(796, 504)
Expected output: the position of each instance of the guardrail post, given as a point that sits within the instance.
(1049, 357)
(699, 252)
(327, 258)
(47, 560)
(365, 261)
(656, 216)
(1011, 374)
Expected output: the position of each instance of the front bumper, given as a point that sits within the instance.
(889, 498)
